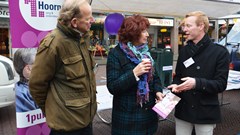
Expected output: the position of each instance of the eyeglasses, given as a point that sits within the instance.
(90, 2)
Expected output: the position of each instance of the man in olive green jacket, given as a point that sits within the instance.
(62, 80)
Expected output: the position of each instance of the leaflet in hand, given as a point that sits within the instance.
(164, 107)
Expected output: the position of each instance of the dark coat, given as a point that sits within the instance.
(201, 105)
(128, 118)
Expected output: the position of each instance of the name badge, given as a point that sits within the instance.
(188, 62)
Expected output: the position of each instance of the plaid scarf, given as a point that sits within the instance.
(136, 54)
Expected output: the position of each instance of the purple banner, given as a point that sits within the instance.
(31, 20)
(31, 122)
(39, 129)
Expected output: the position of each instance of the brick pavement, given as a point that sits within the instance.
(8, 120)
(230, 123)
(230, 114)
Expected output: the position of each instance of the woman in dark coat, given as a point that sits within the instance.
(131, 81)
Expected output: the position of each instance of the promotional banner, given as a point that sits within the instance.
(31, 123)
(30, 21)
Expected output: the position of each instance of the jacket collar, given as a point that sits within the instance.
(200, 46)
(70, 32)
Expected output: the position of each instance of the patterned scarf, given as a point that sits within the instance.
(136, 54)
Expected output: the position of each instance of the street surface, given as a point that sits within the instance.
(8, 114)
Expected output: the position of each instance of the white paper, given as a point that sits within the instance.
(164, 107)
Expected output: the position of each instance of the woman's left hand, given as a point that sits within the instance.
(159, 96)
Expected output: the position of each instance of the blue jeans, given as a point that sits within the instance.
(84, 131)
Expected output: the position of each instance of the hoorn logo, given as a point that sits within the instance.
(40, 5)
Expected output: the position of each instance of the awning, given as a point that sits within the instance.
(162, 8)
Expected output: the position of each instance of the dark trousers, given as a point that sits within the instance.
(84, 131)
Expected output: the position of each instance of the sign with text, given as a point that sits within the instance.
(165, 106)
(31, 123)
(160, 22)
(31, 20)
(4, 12)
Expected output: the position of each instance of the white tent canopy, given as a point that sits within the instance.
(230, 16)
(233, 36)
(161, 8)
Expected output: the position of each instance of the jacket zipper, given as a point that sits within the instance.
(85, 66)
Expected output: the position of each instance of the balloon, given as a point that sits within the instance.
(113, 22)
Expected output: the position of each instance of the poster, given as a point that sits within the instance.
(30, 21)
(165, 106)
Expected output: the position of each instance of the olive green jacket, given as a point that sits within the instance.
(62, 80)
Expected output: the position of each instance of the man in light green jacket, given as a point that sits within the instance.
(62, 80)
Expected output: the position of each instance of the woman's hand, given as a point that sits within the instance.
(142, 68)
(159, 96)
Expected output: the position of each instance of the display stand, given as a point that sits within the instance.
(104, 101)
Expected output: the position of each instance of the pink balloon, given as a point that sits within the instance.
(113, 22)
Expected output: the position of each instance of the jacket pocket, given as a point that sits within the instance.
(208, 110)
(209, 100)
(209, 103)
(73, 67)
(77, 103)
(73, 114)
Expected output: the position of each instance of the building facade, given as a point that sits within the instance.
(4, 29)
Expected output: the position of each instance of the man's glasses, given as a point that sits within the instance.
(90, 2)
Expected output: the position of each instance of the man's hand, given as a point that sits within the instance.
(188, 84)
(173, 87)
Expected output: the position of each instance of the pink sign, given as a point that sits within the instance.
(31, 122)
(39, 129)
(165, 106)
(31, 20)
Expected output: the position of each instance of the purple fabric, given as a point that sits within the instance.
(143, 87)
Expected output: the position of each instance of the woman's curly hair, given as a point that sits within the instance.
(132, 28)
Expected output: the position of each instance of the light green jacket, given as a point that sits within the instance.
(62, 80)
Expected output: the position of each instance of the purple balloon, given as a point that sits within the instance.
(113, 22)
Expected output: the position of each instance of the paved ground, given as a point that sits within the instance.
(8, 120)
(230, 114)
(230, 123)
